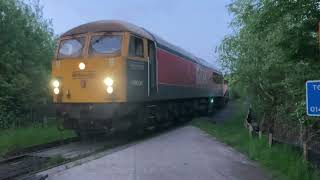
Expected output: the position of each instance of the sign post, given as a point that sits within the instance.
(313, 97)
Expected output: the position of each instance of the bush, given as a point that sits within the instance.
(272, 53)
(26, 50)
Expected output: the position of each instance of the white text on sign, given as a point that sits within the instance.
(314, 109)
(316, 87)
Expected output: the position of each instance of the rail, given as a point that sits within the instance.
(20, 162)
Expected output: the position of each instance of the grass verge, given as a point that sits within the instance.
(18, 138)
(281, 161)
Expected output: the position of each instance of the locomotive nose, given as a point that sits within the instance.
(89, 80)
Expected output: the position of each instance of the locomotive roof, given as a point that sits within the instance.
(120, 26)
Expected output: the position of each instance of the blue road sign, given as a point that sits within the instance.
(313, 97)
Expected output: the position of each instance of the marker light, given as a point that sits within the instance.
(56, 91)
(56, 83)
(82, 66)
(211, 100)
(108, 81)
(110, 90)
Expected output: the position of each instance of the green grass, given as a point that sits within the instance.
(17, 138)
(280, 160)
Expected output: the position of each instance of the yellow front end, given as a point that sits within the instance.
(80, 75)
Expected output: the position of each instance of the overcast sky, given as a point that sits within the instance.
(196, 26)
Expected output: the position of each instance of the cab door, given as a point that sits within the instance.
(152, 68)
(137, 70)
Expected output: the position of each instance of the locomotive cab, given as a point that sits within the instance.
(103, 67)
(88, 68)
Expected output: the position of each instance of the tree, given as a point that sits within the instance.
(26, 49)
(272, 53)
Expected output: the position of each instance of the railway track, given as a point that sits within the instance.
(21, 161)
(15, 167)
(25, 163)
(23, 151)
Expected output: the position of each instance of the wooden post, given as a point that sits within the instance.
(270, 139)
(250, 130)
(305, 151)
(45, 121)
(319, 34)
(31, 114)
(246, 119)
(260, 134)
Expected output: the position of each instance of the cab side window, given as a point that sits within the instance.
(136, 47)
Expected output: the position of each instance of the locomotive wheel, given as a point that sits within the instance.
(165, 116)
(90, 134)
(203, 109)
(175, 113)
(190, 113)
(210, 108)
(220, 102)
(206, 107)
(184, 112)
(171, 113)
(83, 134)
(195, 109)
(138, 123)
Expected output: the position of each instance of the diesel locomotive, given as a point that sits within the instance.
(109, 75)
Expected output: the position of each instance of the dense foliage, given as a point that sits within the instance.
(26, 48)
(273, 51)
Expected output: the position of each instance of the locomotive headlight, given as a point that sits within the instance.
(110, 90)
(108, 81)
(56, 83)
(56, 91)
(82, 66)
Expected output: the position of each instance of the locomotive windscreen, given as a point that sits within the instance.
(71, 48)
(105, 44)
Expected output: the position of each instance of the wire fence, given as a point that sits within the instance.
(40, 113)
(291, 133)
(37, 114)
